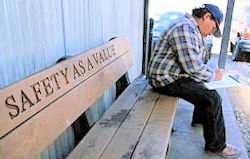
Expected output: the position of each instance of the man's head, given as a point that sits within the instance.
(209, 17)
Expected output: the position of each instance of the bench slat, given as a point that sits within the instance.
(124, 141)
(62, 100)
(143, 134)
(154, 140)
(93, 144)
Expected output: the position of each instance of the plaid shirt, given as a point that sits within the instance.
(178, 54)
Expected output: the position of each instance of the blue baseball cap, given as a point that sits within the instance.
(218, 17)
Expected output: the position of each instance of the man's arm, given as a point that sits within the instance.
(185, 43)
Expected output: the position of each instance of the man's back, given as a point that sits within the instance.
(179, 54)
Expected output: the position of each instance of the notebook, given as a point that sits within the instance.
(226, 81)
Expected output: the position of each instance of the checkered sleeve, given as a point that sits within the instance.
(185, 43)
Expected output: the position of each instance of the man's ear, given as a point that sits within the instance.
(206, 16)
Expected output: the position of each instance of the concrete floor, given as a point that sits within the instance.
(188, 143)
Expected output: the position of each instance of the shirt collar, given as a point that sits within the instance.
(195, 23)
(193, 20)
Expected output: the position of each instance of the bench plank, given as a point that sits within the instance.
(36, 110)
(154, 140)
(124, 141)
(130, 128)
(93, 144)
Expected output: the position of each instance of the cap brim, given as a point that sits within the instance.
(216, 32)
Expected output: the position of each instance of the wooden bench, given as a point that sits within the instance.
(36, 110)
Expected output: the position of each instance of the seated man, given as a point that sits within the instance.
(176, 69)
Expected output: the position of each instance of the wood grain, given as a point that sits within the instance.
(155, 138)
(36, 110)
(125, 140)
(94, 143)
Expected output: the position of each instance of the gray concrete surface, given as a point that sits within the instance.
(239, 96)
(188, 143)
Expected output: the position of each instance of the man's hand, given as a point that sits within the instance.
(219, 74)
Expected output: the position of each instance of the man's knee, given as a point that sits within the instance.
(217, 98)
(214, 99)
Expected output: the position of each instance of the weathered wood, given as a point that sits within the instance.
(130, 128)
(124, 141)
(154, 140)
(93, 144)
(34, 111)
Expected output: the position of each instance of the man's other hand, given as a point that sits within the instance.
(219, 74)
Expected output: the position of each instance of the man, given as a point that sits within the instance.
(176, 68)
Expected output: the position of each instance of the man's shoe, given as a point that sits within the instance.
(230, 151)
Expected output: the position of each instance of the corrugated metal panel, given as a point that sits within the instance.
(96, 111)
(61, 147)
(34, 34)
(83, 24)
(108, 27)
(92, 23)
(136, 37)
(31, 32)
(31, 37)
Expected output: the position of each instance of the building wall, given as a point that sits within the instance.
(34, 34)
(31, 37)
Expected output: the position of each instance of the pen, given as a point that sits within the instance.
(235, 77)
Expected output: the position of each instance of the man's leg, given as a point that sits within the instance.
(208, 102)
(197, 118)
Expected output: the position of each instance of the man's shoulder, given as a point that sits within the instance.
(185, 21)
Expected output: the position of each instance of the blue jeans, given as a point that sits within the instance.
(208, 109)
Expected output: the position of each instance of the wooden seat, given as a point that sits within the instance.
(137, 125)
(36, 110)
